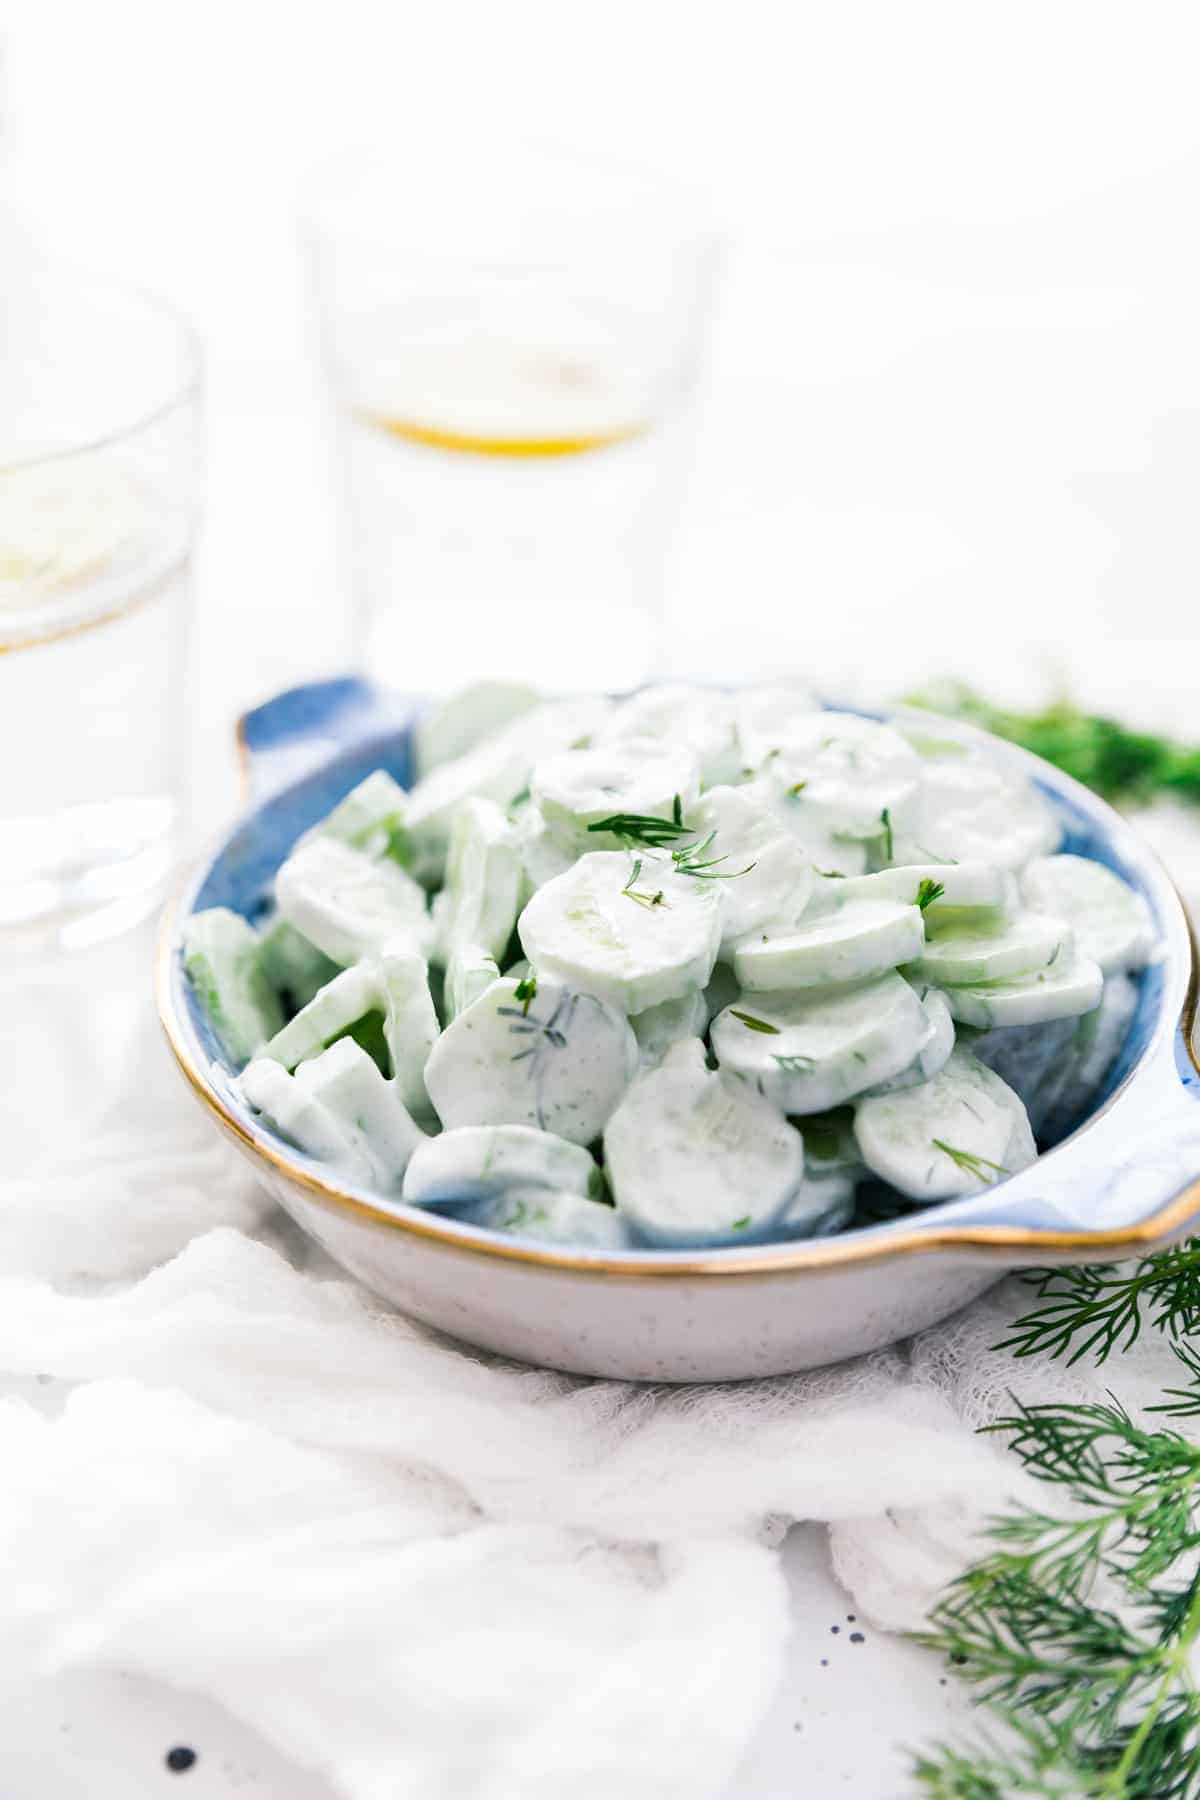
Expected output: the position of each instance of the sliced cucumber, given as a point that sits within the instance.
(1032, 1058)
(1026, 944)
(298, 1115)
(478, 906)
(626, 928)
(549, 1218)
(821, 1205)
(580, 789)
(695, 1156)
(828, 855)
(370, 818)
(1112, 923)
(469, 974)
(970, 809)
(345, 1082)
(348, 905)
(295, 968)
(935, 1051)
(223, 959)
(467, 718)
(660, 1026)
(341, 1003)
(848, 770)
(809, 1051)
(960, 894)
(410, 1024)
(757, 867)
(558, 1059)
(498, 768)
(848, 943)
(698, 721)
(1088, 1060)
(1062, 992)
(474, 1160)
(763, 717)
(830, 1146)
(957, 1134)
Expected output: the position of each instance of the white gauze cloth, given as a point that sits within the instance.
(423, 1572)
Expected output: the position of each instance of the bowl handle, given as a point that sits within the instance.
(294, 732)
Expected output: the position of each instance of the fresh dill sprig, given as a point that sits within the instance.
(796, 1065)
(525, 992)
(929, 891)
(640, 896)
(647, 828)
(1094, 1311)
(691, 861)
(1096, 1699)
(1118, 763)
(754, 1024)
(889, 841)
(969, 1163)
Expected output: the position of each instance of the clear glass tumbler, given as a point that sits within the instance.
(99, 490)
(512, 337)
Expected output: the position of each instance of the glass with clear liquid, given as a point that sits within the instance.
(512, 363)
(97, 513)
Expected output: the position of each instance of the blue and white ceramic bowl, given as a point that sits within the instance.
(1125, 1183)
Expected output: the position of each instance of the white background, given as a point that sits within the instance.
(951, 421)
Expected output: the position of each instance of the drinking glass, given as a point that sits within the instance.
(513, 338)
(99, 485)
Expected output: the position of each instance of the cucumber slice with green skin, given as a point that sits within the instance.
(968, 809)
(808, 1051)
(559, 1060)
(660, 1026)
(757, 867)
(299, 1116)
(846, 943)
(410, 1023)
(496, 769)
(695, 1156)
(957, 1134)
(626, 928)
(830, 1146)
(223, 959)
(696, 720)
(345, 1082)
(971, 892)
(580, 789)
(847, 770)
(339, 1004)
(934, 1053)
(1112, 923)
(1063, 992)
(348, 905)
(549, 1218)
(762, 718)
(541, 858)
(469, 974)
(1025, 945)
(476, 1160)
(295, 968)
(466, 718)
(1032, 1059)
(478, 906)
(370, 818)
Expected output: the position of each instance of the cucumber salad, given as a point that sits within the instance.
(685, 969)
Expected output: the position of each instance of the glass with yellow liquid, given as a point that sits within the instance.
(513, 340)
(99, 401)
